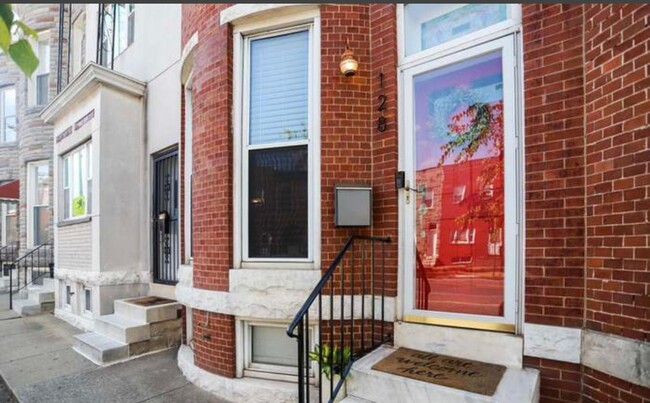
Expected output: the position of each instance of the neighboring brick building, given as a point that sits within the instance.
(576, 98)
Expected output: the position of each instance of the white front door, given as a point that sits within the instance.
(460, 157)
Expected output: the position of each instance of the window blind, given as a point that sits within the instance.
(279, 74)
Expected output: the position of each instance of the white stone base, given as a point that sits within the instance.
(516, 386)
(247, 390)
(77, 321)
(492, 347)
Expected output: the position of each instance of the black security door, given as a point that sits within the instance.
(165, 232)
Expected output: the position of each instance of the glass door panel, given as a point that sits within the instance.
(459, 110)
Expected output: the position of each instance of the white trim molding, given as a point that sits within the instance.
(245, 12)
(91, 76)
(235, 389)
(187, 57)
(552, 342)
(617, 356)
(103, 278)
(271, 294)
(493, 347)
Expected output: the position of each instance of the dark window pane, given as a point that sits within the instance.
(41, 225)
(277, 212)
(42, 88)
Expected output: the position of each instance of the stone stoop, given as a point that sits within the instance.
(36, 299)
(131, 331)
(367, 385)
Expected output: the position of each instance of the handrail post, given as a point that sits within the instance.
(11, 289)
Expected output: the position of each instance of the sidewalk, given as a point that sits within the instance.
(38, 365)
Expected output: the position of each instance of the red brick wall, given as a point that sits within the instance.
(383, 50)
(555, 174)
(214, 334)
(587, 116)
(346, 154)
(617, 82)
(214, 342)
(560, 381)
(599, 387)
(212, 145)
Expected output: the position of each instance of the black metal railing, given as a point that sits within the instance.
(8, 254)
(29, 268)
(358, 271)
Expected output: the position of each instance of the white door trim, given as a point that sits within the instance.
(511, 197)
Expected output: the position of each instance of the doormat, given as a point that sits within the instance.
(472, 376)
(150, 301)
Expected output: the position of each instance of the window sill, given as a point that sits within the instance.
(73, 221)
(8, 144)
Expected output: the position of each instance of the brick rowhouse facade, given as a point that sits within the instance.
(587, 117)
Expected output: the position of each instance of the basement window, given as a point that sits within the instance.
(88, 302)
(67, 302)
(269, 352)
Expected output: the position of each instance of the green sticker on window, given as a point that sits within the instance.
(79, 206)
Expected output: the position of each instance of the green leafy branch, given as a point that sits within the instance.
(14, 42)
(336, 363)
(479, 125)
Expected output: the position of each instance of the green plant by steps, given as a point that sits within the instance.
(333, 360)
(13, 40)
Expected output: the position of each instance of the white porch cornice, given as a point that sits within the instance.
(91, 77)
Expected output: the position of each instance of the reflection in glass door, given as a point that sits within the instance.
(460, 132)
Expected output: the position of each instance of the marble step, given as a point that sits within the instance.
(29, 307)
(159, 312)
(516, 386)
(100, 349)
(40, 294)
(352, 399)
(122, 329)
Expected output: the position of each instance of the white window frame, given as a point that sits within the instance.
(3, 95)
(507, 41)
(299, 20)
(130, 21)
(248, 368)
(71, 176)
(77, 49)
(459, 194)
(187, 200)
(43, 68)
(68, 296)
(494, 248)
(31, 183)
(86, 311)
(471, 39)
(465, 236)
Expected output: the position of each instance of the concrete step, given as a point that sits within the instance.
(516, 386)
(29, 307)
(352, 399)
(147, 309)
(40, 294)
(48, 283)
(100, 349)
(122, 329)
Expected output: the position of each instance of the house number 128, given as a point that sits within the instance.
(381, 121)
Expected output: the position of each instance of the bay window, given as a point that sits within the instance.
(277, 145)
(77, 182)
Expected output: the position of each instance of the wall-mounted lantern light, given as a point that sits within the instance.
(349, 65)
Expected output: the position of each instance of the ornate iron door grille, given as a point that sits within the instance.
(165, 230)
